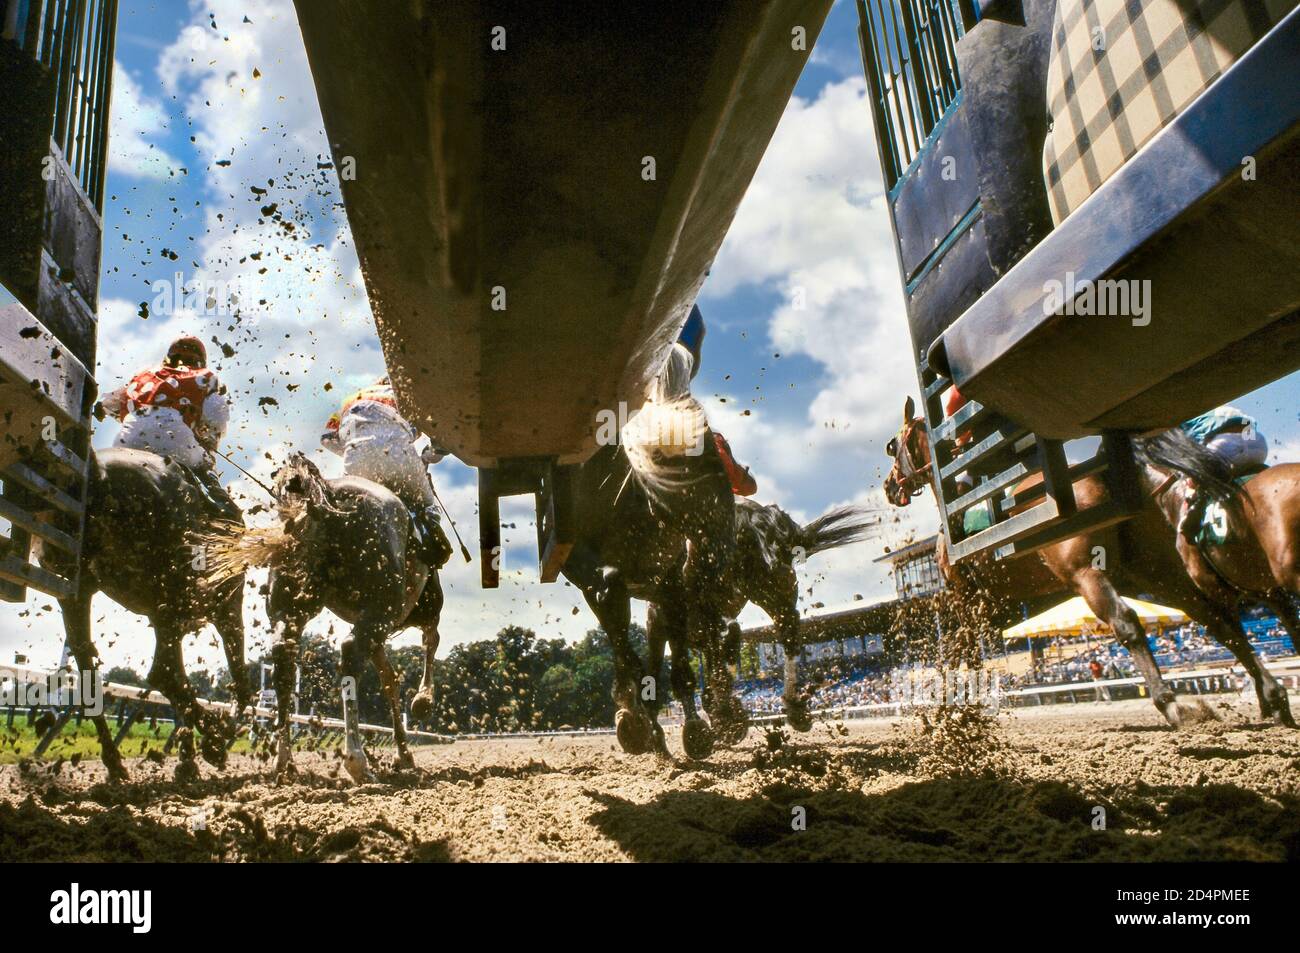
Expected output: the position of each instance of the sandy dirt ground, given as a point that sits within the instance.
(875, 790)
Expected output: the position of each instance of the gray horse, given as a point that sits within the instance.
(348, 545)
(143, 514)
(769, 544)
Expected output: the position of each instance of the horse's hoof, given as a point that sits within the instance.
(359, 767)
(697, 739)
(422, 705)
(661, 742)
(731, 723)
(186, 771)
(405, 761)
(1184, 712)
(635, 736)
(797, 716)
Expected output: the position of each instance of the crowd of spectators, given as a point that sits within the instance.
(836, 683)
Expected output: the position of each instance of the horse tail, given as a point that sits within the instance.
(668, 430)
(839, 526)
(231, 549)
(1174, 450)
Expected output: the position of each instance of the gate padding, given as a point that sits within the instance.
(1120, 70)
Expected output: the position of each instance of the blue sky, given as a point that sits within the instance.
(214, 100)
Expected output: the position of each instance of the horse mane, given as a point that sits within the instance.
(299, 486)
(775, 535)
(1174, 450)
(667, 432)
(839, 526)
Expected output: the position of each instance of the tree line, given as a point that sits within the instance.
(513, 682)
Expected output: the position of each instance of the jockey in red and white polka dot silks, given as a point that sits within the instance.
(176, 410)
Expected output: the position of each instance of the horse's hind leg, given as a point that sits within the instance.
(785, 614)
(1272, 695)
(76, 623)
(356, 648)
(388, 682)
(168, 676)
(1104, 600)
(429, 612)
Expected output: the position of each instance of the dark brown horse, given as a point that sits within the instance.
(656, 522)
(1141, 557)
(143, 513)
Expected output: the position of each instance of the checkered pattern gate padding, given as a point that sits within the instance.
(1155, 57)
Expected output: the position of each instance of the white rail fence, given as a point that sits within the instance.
(133, 701)
(321, 731)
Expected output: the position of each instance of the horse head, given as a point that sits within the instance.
(910, 448)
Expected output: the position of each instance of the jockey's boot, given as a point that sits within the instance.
(437, 547)
(221, 501)
(742, 482)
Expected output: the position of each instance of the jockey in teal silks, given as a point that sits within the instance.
(691, 339)
(1234, 437)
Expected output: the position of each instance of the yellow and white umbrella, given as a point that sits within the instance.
(1073, 617)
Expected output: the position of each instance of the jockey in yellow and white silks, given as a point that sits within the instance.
(377, 443)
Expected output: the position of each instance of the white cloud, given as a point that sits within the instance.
(136, 124)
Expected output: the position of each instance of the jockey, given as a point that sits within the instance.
(1234, 437)
(691, 340)
(177, 410)
(377, 443)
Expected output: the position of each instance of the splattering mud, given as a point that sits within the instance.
(1081, 782)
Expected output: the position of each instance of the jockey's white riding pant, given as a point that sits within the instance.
(1239, 451)
(386, 455)
(164, 431)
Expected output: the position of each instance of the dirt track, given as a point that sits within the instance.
(1225, 790)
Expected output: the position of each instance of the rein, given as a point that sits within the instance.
(1168, 481)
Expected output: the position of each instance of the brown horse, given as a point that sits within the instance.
(1140, 557)
(1259, 557)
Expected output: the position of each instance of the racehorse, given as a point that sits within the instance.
(1256, 555)
(769, 544)
(348, 545)
(1147, 563)
(143, 512)
(655, 521)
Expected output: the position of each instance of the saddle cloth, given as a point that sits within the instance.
(1214, 524)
